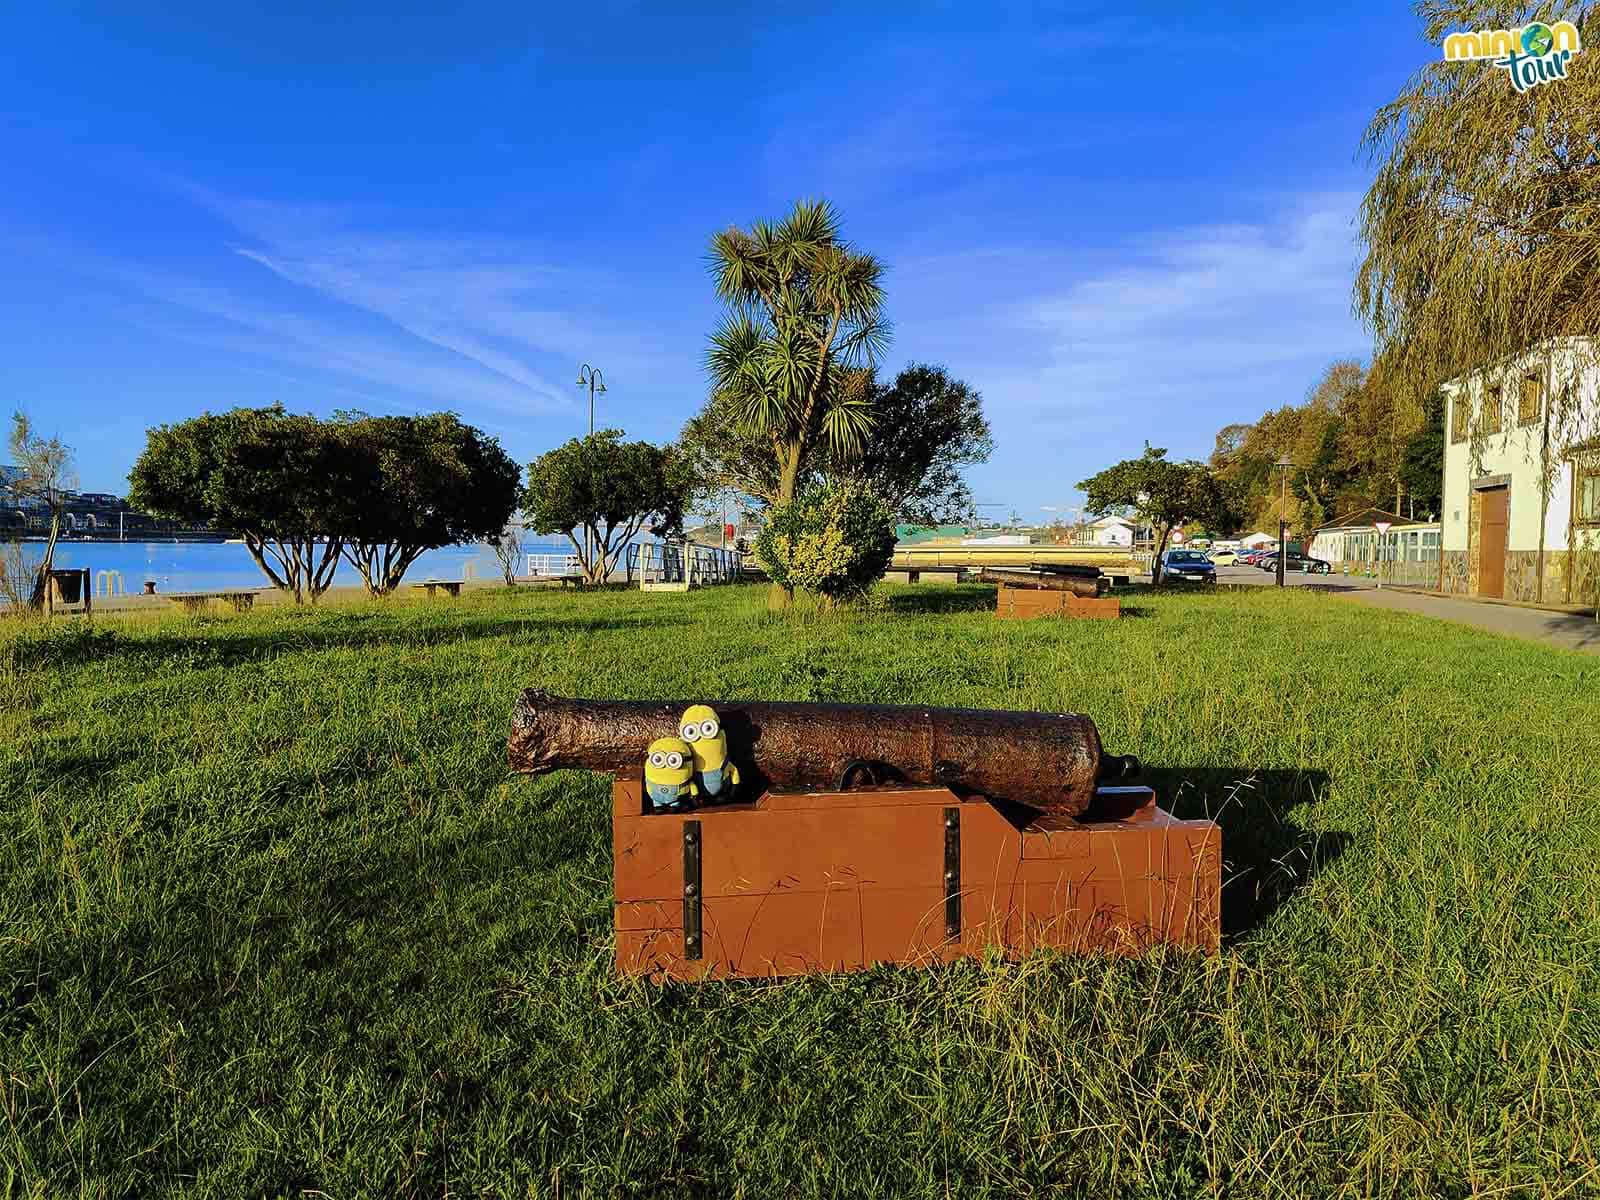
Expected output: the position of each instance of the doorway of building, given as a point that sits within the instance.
(1493, 518)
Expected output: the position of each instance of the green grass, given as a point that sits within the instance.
(274, 919)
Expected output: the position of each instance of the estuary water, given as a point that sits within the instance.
(207, 566)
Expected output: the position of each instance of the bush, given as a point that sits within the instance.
(833, 540)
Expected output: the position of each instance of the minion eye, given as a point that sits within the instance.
(691, 733)
(674, 759)
(708, 728)
(658, 759)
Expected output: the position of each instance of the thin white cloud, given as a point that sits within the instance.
(1167, 335)
(223, 319)
(441, 319)
(498, 302)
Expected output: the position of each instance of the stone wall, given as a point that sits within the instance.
(1460, 576)
(1585, 568)
(1522, 575)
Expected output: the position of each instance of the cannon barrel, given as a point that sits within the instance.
(1048, 760)
(1080, 582)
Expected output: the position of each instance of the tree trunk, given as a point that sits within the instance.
(41, 581)
(1161, 548)
(362, 559)
(320, 574)
(780, 596)
(1047, 760)
(593, 566)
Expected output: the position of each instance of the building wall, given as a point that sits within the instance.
(1515, 457)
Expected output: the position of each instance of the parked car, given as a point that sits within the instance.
(1224, 558)
(1295, 562)
(1187, 566)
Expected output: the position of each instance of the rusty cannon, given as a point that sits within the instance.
(1049, 761)
(976, 831)
(1080, 581)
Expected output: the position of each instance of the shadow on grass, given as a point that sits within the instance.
(1267, 859)
(947, 599)
(229, 642)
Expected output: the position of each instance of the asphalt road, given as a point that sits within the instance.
(1564, 630)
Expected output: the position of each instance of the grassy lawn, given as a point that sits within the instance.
(275, 920)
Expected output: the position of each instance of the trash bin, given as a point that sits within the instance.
(69, 585)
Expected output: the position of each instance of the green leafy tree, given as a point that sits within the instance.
(1482, 228)
(727, 455)
(609, 490)
(804, 321)
(1167, 495)
(927, 427)
(832, 540)
(1482, 224)
(44, 473)
(283, 481)
(507, 548)
(1422, 467)
(418, 483)
(1346, 441)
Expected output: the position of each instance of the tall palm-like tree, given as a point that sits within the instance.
(804, 328)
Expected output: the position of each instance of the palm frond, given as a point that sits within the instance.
(735, 351)
(863, 345)
(846, 424)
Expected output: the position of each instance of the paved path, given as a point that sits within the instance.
(1565, 630)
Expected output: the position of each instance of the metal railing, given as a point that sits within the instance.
(554, 565)
(682, 562)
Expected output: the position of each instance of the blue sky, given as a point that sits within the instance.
(1117, 227)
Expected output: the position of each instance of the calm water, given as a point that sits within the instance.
(201, 566)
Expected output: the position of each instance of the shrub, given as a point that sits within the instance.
(833, 540)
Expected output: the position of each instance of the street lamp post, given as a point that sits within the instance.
(590, 378)
(1283, 466)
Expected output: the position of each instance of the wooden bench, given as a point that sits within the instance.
(452, 586)
(195, 603)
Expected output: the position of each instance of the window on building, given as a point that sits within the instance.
(1586, 497)
(1494, 404)
(1458, 418)
(1528, 400)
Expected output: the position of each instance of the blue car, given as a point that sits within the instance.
(1187, 566)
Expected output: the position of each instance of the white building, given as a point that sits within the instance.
(1256, 540)
(1112, 531)
(1405, 552)
(1522, 477)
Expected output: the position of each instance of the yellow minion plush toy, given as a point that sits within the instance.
(668, 773)
(703, 731)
